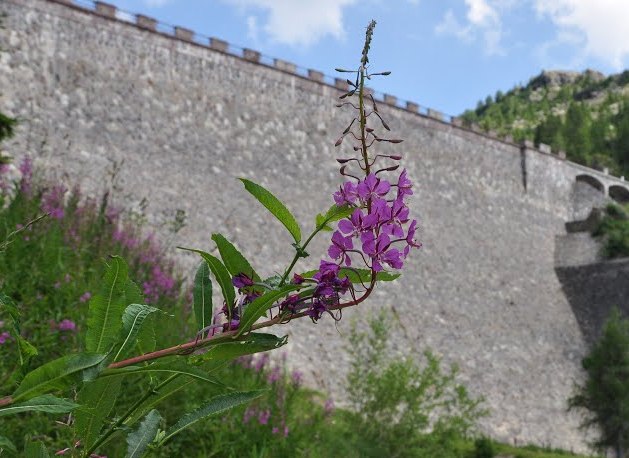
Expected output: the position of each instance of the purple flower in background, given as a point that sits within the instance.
(4, 336)
(66, 325)
(261, 362)
(249, 414)
(404, 185)
(339, 248)
(329, 406)
(274, 375)
(380, 252)
(372, 187)
(52, 202)
(26, 182)
(297, 377)
(86, 296)
(347, 194)
(264, 416)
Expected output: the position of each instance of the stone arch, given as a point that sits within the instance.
(619, 193)
(588, 193)
(590, 180)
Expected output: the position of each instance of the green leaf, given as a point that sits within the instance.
(335, 213)
(35, 450)
(220, 273)
(171, 367)
(132, 320)
(26, 351)
(202, 296)
(235, 262)
(58, 374)
(216, 405)
(106, 308)
(178, 384)
(7, 446)
(259, 306)
(97, 399)
(45, 403)
(246, 345)
(275, 206)
(358, 275)
(138, 440)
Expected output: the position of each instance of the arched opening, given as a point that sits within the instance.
(619, 193)
(590, 180)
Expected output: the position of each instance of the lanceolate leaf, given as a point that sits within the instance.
(233, 259)
(171, 367)
(275, 206)
(220, 273)
(202, 296)
(215, 406)
(45, 403)
(358, 275)
(106, 308)
(97, 399)
(246, 345)
(58, 374)
(7, 446)
(132, 321)
(35, 450)
(260, 305)
(335, 213)
(138, 440)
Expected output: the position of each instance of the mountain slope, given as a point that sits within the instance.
(585, 114)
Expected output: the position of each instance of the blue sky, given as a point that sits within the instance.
(445, 54)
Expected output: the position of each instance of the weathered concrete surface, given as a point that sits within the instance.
(184, 120)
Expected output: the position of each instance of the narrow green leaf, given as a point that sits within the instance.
(235, 262)
(177, 385)
(335, 213)
(45, 403)
(7, 446)
(275, 206)
(26, 351)
(35, 450)
(106, 308)
(202, 296)
(246, 345)
(132, 321)
(171, 367)
(97, 399)
(221, 274)
(259, 306)
(58, 374)
(358, 275)
(138, 440)
(216, 405)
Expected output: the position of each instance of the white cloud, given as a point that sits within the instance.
(156, 3)
(602, 25)
(482, 20)
(297, 22)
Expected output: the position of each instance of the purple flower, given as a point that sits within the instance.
(398, 215)
(297, 279)
(261, 362)
(242, 280)
(329, 406)
(327, 270)
(52, 202)
(86, 296)
(355, 224)
(274, 375)
(263, 417)
(410, 238)
(339, 248)
(347, 194)
(249, 414)
(290, 303)
(297, 377)
(4, 336)
(404, 185)
(380, 252)
(372, 188)
(66, 325)
(26, 169)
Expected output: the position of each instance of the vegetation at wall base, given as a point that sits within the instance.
(614, 229)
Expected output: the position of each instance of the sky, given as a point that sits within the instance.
(443, 54)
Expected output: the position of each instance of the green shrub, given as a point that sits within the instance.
(614, 227)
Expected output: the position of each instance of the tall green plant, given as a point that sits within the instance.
(603, 397)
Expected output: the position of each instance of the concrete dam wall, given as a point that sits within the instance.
(181, 119)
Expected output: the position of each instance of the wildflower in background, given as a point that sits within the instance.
(274, 375)
(26, 170)
(66, 325)
(250, 412)
(86, 296)
(4, 336)
(264, 416)
(52, 202)
(297, 378)
(329, 406)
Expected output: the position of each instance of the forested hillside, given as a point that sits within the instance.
(584, 114)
